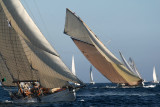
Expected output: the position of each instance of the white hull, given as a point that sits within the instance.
(65, 95)
(92, 82)
(156, 82)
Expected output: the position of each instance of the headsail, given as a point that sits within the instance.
(28, 55)
(130, 65)
(125, 62)
(96, 52)
(133, 66)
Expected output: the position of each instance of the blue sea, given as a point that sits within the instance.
(101, 95)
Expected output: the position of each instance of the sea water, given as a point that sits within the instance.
(101, 94)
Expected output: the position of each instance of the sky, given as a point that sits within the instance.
(131, 26)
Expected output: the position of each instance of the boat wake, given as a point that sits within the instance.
(120, 87)
(7, 101)
(111, 87)
(150, 86)
(82, 100)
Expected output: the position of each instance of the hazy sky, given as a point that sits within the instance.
(133, 26)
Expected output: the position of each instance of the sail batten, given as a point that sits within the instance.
(96, 52)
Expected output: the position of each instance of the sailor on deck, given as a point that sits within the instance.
(25, 87)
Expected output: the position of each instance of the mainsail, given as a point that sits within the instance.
(25, 53)
(155, 79)
(96, 52)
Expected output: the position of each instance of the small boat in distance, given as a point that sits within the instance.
(91, 76)
(74, 69)
(73, 66)
(155, 77)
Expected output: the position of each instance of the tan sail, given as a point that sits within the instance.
(28, 55)
(12, 51)
(5, 74)
(96, 52)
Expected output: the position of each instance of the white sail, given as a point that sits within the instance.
(73, 66)
(155, 79)
(125, 62)
(91, 76)
(96, 52)
(27, 54)
(130, 62)
(130, 65)
(133, 66)
(73, 69)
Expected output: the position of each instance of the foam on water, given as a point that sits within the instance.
(8, 101)
(82, 100)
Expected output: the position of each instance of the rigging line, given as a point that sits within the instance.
(30, 12)
(41, 18)
(35, 21)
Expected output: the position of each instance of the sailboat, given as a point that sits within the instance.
(26, 57)
(73, 69)
(91, 76)
(95, 51)
(73, 66)
(155, 79)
